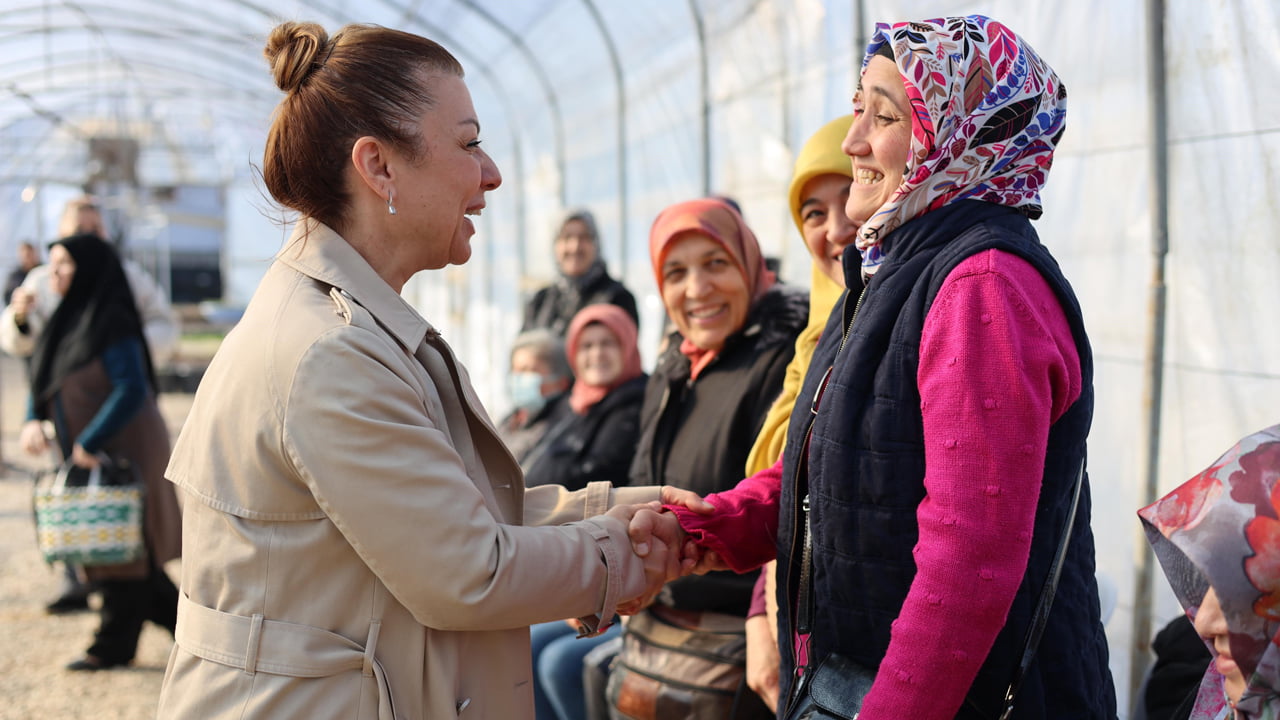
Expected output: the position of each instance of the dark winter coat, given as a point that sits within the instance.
(522, 437)
(598, 445)
(697, 435)
(554, 306)
(865, 479)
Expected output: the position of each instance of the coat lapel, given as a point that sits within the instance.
(505, 489)
(320, 253)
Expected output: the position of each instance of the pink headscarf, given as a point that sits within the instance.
(623, 328)
(717, 220)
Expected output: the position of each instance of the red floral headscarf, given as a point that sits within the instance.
(1221, 528)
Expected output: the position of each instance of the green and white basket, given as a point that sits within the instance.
(90, 524)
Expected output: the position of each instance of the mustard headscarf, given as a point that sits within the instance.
(821, 155)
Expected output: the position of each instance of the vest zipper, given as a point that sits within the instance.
(801, 619)
(848, 327)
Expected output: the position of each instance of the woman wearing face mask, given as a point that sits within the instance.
(538, 387)
(584, 279)
(1215, 538)
(929, 473)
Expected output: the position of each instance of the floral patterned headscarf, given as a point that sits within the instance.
(987, 113)
(1221, 528)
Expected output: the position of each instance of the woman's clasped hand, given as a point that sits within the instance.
(657, 537)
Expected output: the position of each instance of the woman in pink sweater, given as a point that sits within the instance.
(929, 468)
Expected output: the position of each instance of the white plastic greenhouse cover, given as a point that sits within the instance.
(624, 108)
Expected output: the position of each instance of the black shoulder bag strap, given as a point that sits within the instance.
(1041, 618)
(1038, 621)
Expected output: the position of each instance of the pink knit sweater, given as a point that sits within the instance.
(998, 366)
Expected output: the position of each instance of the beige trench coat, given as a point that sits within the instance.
(358, 540)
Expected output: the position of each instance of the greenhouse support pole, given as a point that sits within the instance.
(620, 82)
(548, 88)
(704, 89)
(859, 38)
(1144, 561)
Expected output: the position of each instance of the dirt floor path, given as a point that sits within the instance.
(34, 646)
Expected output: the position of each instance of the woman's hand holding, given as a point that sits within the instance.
(763, 660)
(21, 303)
(672, 495)
(661, 563)
(674, 535)
(694, 559)
(32, 438)
(83, 458)
(705, 561)
(661, 566)
(651, 521)
(657, 537)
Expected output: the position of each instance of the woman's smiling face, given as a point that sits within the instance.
(598, 360)
(827, 230)
(704, 291)
(879, 140)
(436, 194)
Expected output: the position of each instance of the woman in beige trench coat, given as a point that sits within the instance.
(359, 542)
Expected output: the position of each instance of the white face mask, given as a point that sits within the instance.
(525, 391)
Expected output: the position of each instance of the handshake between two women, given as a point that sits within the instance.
(667, 550)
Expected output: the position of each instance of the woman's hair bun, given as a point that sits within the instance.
(294, 51)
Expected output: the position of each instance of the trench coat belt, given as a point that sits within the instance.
(255, 644)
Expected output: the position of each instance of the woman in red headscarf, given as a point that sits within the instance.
(597, 440)
(735, 332)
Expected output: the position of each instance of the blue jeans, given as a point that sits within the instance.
(557, 669)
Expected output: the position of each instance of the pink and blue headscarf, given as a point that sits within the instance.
(987, 113)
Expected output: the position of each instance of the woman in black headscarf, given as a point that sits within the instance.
(91, 377)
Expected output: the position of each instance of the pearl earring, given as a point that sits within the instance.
(391, 208)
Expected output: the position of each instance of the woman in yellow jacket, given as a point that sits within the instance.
(819, 189)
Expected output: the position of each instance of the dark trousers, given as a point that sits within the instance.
(126, 604)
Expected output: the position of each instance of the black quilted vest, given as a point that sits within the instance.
(865, 478)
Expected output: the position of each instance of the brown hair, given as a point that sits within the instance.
(365, 80)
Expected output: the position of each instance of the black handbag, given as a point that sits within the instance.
(835, 688)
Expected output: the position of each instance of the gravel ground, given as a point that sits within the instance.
(35, 646)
